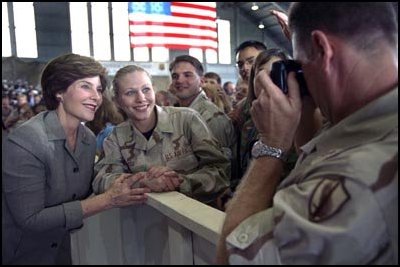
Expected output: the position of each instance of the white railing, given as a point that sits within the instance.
(170, 228)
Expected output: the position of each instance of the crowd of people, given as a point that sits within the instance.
(20, 102)
(303, 179)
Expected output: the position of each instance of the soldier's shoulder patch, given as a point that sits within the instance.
(327, 198)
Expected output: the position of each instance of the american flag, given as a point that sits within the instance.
(175, 25)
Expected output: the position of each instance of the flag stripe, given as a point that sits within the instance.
(140, 41)
(177, 35)
(211, 15)
(173, 46)
(165, 19)
(170, 24)
(207, 4)
(183, 15)
(155, 29)
(179, 25)
(203, 6)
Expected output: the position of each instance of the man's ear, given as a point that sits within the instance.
(202, 80)
(323, 49)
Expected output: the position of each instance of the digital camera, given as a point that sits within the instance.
(279, 75)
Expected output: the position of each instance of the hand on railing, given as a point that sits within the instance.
(123, 193)
(161, 179)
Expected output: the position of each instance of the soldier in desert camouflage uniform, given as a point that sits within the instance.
(339, 205)
(187, 77)
(172, 147)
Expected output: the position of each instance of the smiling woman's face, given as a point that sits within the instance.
(136, 96)
(81, 99)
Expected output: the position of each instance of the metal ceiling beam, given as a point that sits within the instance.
(278, 6)
(244, 9)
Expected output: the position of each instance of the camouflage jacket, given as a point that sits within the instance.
(339, 205)
(218, 122)
(180, 140)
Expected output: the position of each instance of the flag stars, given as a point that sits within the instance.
(157, 7)
(139, 7)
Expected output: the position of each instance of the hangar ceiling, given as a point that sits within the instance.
(271, 26)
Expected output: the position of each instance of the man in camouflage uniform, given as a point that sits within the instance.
(187, 75)
(340, 203)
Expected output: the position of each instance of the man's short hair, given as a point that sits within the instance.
(189, 59)
(363, 24)
(250, 43)
(213, 75)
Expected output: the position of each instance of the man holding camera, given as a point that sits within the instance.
(340, 203)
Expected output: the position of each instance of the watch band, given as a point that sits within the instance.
(261, 150)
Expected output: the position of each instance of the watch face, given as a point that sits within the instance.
(256, 151)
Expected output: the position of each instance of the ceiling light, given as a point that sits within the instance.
(261, 25)
(254, 7)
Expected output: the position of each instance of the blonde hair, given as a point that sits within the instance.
(124, 71)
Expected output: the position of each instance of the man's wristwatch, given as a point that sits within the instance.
(261, 150)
